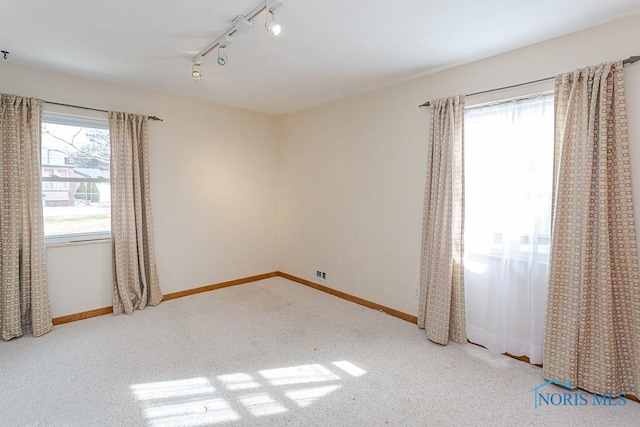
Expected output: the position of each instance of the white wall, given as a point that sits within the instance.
(337, 188)
(353, 172)
(213, 185)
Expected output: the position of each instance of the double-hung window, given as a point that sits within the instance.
(76, 192)
(508, 155)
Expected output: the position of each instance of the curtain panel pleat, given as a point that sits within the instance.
(135, 280)
(592, 331)
(24, 297)
(441, 308)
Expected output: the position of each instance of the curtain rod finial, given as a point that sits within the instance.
(632, 59)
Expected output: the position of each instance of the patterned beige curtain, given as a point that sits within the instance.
(24, 298)
(135, 281)
(592, 332)
(441, 311)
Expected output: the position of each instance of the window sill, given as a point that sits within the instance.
(77, 240)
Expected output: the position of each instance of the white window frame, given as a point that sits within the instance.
(97, 122)
(515, 96)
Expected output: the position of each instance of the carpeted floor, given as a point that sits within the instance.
(273, 353)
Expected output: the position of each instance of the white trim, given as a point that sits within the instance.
(98, 121)
(79, 238)
(524, 91)
(509, 99)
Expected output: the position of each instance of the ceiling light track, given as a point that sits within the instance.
(240, 23)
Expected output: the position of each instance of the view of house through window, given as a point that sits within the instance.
(76, 194)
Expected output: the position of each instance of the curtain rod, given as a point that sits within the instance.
(630, 60)
(93, 109)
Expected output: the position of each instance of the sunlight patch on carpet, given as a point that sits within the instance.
(239, 381)
(302, 374)
(349, 368)
(262, 404)
(231, 397)
(307, 396)
(173, 389)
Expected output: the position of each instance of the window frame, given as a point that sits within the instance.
(66, 119)
(520, 94)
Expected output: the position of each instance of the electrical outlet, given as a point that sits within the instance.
(416, 292)
(320, 275)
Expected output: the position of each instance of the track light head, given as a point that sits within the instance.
(196, 73)
(274, 28)
(222, 58)
(271, 25)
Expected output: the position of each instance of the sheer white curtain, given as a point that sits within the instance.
(508, 186)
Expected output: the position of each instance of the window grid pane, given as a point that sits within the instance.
(76, 193)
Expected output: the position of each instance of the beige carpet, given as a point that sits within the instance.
(271, 353)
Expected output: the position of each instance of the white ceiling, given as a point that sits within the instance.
(328, 49)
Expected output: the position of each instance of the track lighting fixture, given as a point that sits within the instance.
(222, 58)
(240, 22)
(196, 74)
(271, 25)
(223, 42)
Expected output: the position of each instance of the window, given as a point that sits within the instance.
(508, 177)
(508, 161)
(76, 193)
